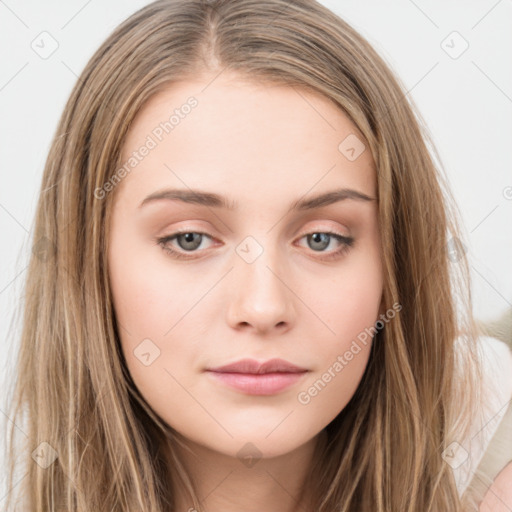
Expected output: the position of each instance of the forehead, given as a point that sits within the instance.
(227, 132)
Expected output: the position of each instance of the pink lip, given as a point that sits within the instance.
(254, 378)
(254, 367)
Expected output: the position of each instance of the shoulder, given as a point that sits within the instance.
(498, 497)
(489, 445)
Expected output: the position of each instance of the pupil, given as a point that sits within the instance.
(190, 240)
(317, 238)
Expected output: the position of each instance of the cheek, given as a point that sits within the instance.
(155, 327)
(149, 295)
(348, 301)
(349, 306)
(342, 354)
(153, 305)
(330, 389)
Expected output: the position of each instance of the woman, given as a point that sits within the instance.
(241, 300)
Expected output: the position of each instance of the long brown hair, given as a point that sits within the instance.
(384, 451)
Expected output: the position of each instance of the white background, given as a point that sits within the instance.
(465, 101)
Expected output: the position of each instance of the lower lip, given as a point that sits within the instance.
(258, 384)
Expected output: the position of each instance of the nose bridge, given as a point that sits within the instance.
(258, 263)
(262, 299)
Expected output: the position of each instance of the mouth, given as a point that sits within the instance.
(254, 378)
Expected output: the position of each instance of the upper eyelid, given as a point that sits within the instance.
(302, 233)
(321, 229)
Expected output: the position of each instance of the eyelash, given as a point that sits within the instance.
(347, 244)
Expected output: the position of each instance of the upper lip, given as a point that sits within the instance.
(255, 367)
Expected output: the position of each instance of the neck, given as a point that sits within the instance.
(227, 484)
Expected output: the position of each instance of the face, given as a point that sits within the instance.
(256, 268)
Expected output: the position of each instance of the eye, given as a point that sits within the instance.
(320, 240)
(190, 241)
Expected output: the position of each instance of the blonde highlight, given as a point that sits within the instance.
(384, 450)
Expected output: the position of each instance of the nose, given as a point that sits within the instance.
(263, 300)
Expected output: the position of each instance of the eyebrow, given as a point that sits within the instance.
(217, 201)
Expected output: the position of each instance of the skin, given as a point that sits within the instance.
(264, 147)
(499, 496)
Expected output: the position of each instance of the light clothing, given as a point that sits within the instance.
(478, 460)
